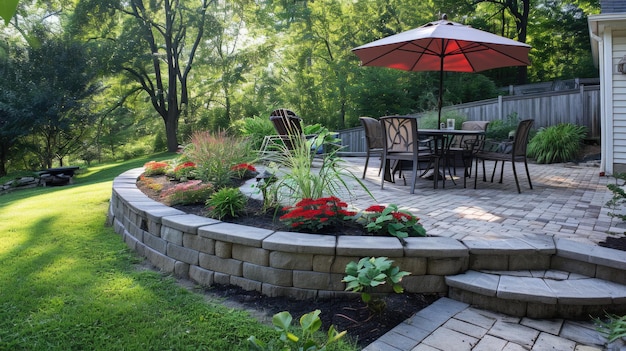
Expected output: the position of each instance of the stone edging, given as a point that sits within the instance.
(306, 266)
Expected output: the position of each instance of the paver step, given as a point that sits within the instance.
(538, 294)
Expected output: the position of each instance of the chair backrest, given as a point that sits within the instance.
(399, 134)
(287, 125)
(521, 137)
(475, 125)
(373, 132)
(476, 142)
(282, 112)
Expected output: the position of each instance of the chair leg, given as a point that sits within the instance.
(476, 173)
(484, 171)
(519, 191)
(528, 174)
(502, 170)
(414, 180)
(387, 169)
(493, 173)
(367, 160)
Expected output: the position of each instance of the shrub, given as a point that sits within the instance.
(227, 202)
(560, 143)
(215, 153)
(153, 168)
(390, 220)
(312, 215)
(184, 171)
(254, 129)
(430, 119)
(500, 129)
(186, 193)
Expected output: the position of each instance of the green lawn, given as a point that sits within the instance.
(70, 283)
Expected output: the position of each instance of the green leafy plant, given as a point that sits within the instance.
(227, 202)
(253, 129)
(390, 220)
(430, 120)
(312, 215)
(153, 168)
(619, 196)
(614, 328)
(186, 193)
(500, 129)
(184, 171)
(296, 179)
(215, 153)
(559, 143)
(310, 324)
(371, 272)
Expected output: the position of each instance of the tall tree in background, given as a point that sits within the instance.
(14, 115)
(155, 47)
(59, 81)
(519, 10)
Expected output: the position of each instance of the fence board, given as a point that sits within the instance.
(577, 106)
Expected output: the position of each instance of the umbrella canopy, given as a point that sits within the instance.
(444, 46)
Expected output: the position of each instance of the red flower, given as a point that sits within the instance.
(243, 167)
(375, 208)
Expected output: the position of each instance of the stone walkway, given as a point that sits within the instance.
(567, 201)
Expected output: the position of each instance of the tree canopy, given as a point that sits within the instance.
(152, 72)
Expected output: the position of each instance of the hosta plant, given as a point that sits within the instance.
(390, 220)
(310, 324)
(371, 272)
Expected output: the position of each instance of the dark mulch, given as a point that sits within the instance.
(614, 243)
(350, 314)
(345, 313)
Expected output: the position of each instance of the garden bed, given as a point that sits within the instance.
(347, 312)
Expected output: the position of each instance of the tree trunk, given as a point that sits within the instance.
(171, 130)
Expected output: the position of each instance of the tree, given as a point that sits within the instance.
(59, 81)
(13, 113)
(155, 46)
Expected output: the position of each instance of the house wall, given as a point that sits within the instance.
(619, 102)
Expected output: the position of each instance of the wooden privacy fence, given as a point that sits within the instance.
(578, 106)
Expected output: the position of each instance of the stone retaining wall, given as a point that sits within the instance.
(306, 266)
(279, 263)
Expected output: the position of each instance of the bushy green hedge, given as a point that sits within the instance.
(559, 143)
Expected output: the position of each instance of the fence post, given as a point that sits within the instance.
(500, 107)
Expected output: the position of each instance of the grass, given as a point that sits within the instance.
(70, 283)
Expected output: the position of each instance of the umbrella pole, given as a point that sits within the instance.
(440, 102)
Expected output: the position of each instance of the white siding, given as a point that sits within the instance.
(619, 99)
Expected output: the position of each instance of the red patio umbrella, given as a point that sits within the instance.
(444, 46)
